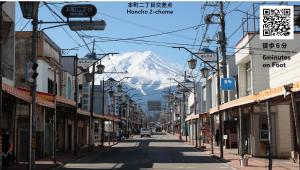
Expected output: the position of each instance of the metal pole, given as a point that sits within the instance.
(76, 105)
(212, 133)
(180, 119)
(195, 110)
(296, 120)
(91, 134)
(241, 132)
(219, 102)
(1, 28)
(223, 51)
(32, 133)
(184, 112)
(54, 120)
(270, 134)
(103, 121)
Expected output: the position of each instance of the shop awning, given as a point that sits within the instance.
(17, 93)
(42, 99)
(63, 100)
(261, 96)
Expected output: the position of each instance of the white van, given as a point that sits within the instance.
(145, 132)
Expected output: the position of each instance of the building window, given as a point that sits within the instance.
(248, 78)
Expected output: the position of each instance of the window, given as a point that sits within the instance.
(248, 78)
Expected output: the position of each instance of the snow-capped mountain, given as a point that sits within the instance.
(150, 74)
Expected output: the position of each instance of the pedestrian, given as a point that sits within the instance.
(5, 150)
(217, 137)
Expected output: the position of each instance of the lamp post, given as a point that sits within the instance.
(30, 11)
(204, 72)
(103, 103)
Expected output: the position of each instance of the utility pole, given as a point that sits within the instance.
(76, 105)
(269, 117)
(91, 134)
(296, 120)
(241, 148)
(54, 119)
(32, 133)
(223, 43)
(184, 112)
(195, 110)
(103, 121)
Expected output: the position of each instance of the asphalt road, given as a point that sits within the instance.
(158, 152)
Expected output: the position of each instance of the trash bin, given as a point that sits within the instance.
(244, 162)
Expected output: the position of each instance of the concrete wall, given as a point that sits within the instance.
(8, 46)
(254, 51)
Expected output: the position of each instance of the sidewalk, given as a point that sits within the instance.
(61, 158)
(232, 158)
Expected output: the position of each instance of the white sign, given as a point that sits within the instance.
(207, 56)
(225, 137)
(85, 63)
(87, 25)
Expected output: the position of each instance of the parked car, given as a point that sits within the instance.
(145, 132)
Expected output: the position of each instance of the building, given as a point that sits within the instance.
(255, 59)
(7, 56)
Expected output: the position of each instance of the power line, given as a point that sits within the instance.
(147, 36)
(54, 13)
(143, 26)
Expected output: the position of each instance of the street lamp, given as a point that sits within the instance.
(111, 93)
(119, 87)
(192, 63)
(100, 68)
(29, 9)
(88, 77)
(204, 72)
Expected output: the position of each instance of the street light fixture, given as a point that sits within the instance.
(192, 63)
(29, 9)
(119, 88)
(100, 68)
(111, 93)
(204, 72)
(88, 77)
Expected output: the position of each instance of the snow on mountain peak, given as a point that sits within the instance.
(145, 67)
(149, 73)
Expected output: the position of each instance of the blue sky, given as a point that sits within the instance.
(123, 25)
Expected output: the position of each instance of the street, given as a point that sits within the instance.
(161, 151)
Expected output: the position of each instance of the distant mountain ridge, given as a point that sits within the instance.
(150, 73)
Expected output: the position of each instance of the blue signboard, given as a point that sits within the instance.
(227, 83)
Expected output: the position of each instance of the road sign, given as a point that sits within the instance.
(207, 55)
(79, 11)
(227, 83)
(87, 25)
(85, 63)
(154, 105)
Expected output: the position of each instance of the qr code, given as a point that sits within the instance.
(276, 22)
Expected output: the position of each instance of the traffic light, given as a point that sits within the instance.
(31, 72)
(34, 68)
